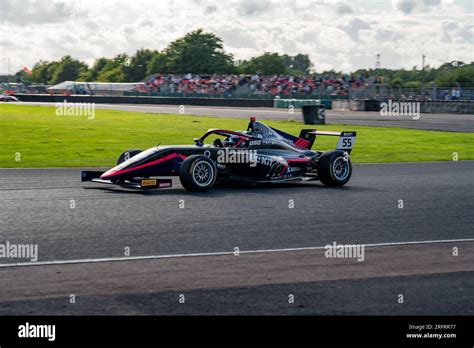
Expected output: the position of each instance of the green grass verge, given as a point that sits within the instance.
(46, 140)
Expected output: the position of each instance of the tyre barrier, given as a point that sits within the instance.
(314, 114)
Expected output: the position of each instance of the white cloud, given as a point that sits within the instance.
(408, 6)
(354, 27)
(340, 35)
(342, 9)
(35, 12)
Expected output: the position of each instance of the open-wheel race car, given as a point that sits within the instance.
(261, 154)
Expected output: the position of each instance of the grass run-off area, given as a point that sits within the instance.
(34, 136)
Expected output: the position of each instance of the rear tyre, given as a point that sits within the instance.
(198, 173)
(127, 154)
(334, 168)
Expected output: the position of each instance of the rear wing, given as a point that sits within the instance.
(346, 139)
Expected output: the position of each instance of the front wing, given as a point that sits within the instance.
(148, 183)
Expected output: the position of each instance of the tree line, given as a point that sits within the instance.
(200, 52)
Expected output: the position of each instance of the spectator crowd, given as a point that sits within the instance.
(194, 84)
(255, 84)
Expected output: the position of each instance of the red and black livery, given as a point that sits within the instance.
(261, 154)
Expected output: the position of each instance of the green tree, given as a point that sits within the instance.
(113, 69)
(93, 73)
(301, 62)
(288, 61)
(297, 65)
(68, 69)
(158, 64)
(8, 78)
(266, 64)
(23, 77)
(112, 75)
(198, 53)
(43, 71)
(412, 84)
(137, 67)
(462, 76)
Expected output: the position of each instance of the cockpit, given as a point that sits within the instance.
(261, 131)
(255, 131)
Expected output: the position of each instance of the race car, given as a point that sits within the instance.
(261, 154)
(8, 98)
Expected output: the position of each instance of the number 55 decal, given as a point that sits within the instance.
(346, 141)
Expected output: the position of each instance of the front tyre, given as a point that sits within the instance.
(198, 173)
(334, 168)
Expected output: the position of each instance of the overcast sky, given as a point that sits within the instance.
(340, 35)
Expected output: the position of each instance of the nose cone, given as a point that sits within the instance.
(109, 174)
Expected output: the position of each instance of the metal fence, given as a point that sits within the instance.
(417, 94)
(237, 95)
(376, 93)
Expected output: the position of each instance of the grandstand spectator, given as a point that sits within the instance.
(455, 94)
(256, 84)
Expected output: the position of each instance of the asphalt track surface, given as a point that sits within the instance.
(191, 250)
(438, 122)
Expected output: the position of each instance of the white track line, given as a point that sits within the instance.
(219, 253)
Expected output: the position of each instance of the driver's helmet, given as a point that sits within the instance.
(231, 140)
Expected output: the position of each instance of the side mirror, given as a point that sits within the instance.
(199, 142)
